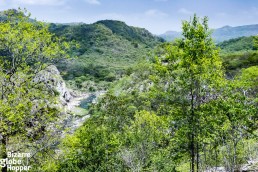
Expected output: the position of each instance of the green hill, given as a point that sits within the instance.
(238, 53)
(107, 49)
(237, 44)
(135, 34)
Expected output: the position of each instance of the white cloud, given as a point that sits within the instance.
(185, 11)
(93, 2)
(155, 13)
(38, 2)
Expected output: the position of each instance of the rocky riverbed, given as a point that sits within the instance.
(73, 114)
(77, 109)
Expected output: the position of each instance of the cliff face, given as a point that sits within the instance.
(52, 79)
(68, 100)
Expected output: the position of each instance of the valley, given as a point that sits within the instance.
(111, 97)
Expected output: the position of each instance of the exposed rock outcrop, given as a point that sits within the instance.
(71, 116)
(52, 79)
(251, 166)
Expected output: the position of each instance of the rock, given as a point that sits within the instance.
(216, 169)
(68, 120)
(251, 166)
(51, 77)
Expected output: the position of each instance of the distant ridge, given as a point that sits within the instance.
(130, 33)
(221, 34)
(228, 32)
(170, 35)
(104, 33)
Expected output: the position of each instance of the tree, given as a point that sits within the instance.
(26, 47)
(146, 143)
(202, 67)
(256, 41)
(240, 106)
(162, 118)
(191, 70)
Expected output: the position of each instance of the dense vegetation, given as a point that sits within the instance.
(241, 44)
(238, 53)
(178, 113)
(172, 109)
(26, 106)
(107, 49)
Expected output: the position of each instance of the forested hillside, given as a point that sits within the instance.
(177, 112)
(241, 44)
(107, 49)
(187, 105)
(238, 53)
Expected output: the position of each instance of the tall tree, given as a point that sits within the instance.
(193, 69)
(202, 67)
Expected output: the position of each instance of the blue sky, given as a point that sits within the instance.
(158, 16)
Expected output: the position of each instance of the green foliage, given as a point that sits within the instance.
(146, 142)
(137, 146)
(26, 106)
(131, 33)
(168, 112)
(237, 44)
(195, 71)
(234, 62)
(107, 49)
(238, 53)
(249, 76)
(91, 149)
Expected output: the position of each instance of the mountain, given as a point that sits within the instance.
(228, 32)
(134, 34)
(107, 49)
(221, 34)
(170, 35)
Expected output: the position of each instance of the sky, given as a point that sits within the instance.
(157, 16)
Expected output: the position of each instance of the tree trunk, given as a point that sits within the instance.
(192, 126)
(192, 152)
(197, 156)
(4, 152)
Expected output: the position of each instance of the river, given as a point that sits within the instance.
(85, 103)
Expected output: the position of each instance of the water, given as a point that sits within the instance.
(85, 103)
